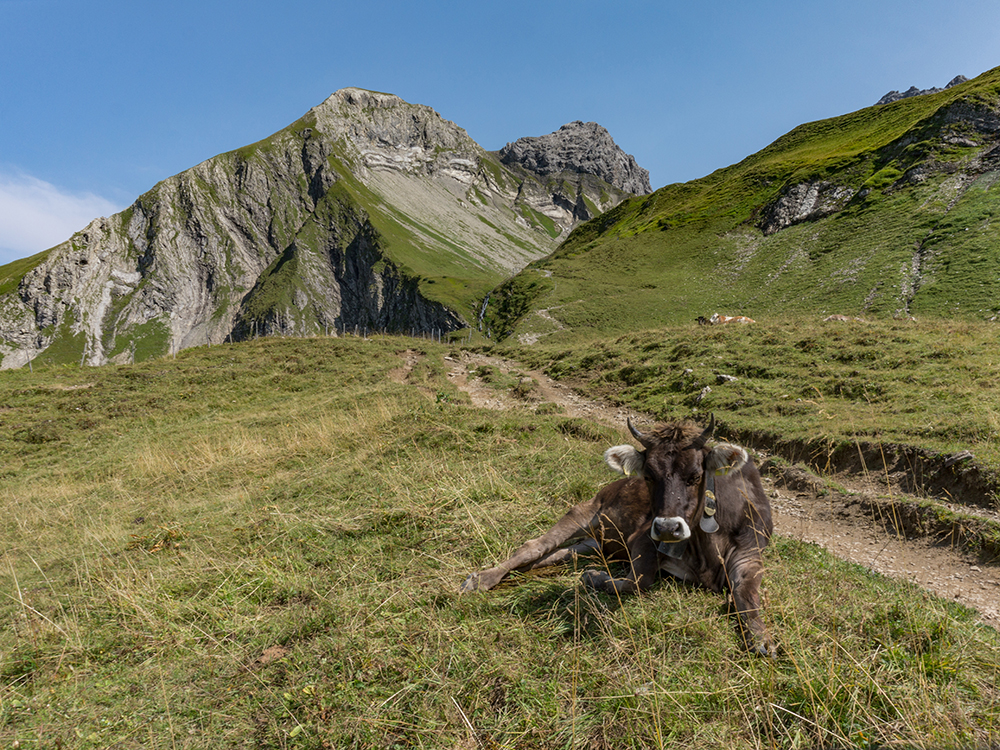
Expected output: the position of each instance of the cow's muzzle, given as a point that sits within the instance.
(669, 529)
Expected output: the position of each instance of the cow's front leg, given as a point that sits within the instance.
(527, 554)
(586, 548)
(540, 551)
(642, 555)
(746, 581)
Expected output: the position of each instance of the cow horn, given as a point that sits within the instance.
(644, 439)
(699, 442)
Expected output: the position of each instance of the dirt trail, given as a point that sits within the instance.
(837, 521)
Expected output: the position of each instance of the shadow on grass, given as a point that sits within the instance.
(556, 596)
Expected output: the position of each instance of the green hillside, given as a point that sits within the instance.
(260, 545)
(910, 232)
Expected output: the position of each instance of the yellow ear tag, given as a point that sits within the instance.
(708, 524)
(710, 506)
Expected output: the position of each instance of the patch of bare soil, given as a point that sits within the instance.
(401, 374)
(804, 507)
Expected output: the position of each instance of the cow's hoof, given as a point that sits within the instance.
(595, 579)
(470, 584)
(758, 641)
(764, 646)
(482, 581)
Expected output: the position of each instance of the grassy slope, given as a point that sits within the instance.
(450, 278)
(259, 545)
(691, 249)
(919, 384)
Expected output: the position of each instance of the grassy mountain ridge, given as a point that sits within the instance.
(880, 212)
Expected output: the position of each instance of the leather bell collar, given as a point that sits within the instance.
(672, 549)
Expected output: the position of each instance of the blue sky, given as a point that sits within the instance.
(100, 100)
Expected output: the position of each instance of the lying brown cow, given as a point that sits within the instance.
(696, 512)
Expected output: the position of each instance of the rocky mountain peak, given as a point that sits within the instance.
(581, 147)
(895, 96)
(388, 133)
(347, 219)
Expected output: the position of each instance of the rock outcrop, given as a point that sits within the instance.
(805, 201)
(350, 218)
(895, 96)
(579, 147)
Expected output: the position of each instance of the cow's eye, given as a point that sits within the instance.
(693, 479)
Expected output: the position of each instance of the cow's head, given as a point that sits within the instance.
(674, 462)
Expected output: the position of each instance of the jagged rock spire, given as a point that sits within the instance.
(583, 147)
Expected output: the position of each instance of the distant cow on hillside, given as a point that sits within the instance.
(694, 511)
(842, 319)
(721, 320)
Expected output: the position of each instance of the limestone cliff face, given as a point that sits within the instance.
(345, 219)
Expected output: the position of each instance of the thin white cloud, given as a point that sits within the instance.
(35, 215)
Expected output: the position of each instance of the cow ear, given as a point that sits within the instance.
(625, 459)
(724, 458)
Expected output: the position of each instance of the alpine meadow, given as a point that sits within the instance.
(886, 212)
(243, 477)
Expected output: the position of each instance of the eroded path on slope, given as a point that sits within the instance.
(837, 521)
